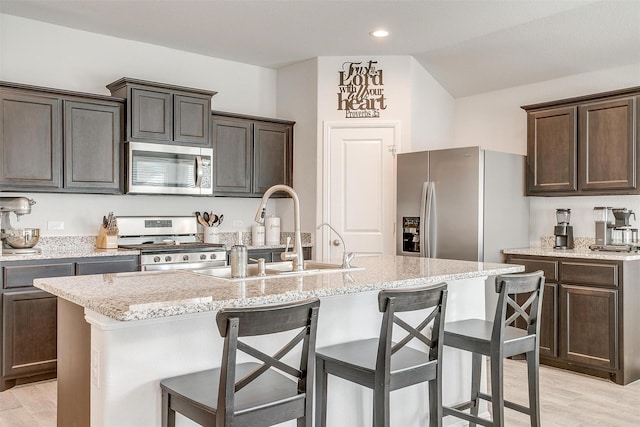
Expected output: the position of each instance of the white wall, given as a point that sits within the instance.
(432, 112)
(495, 121)
(298, 98)
(41, 54)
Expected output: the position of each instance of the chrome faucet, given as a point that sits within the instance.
(296, 255)
(346, 256)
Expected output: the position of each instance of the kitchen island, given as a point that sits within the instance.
(120, 334)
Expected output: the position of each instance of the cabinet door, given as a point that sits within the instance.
(607, 146)
(549, 321)
(92, 141)
(191, 120)
(589, 326)
(30, 142)
(29, 333)
(151, 116)
(105, 265)
(232, 152)
(551, 151)
(272, 145)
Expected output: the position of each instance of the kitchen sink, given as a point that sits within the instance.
(276, 269)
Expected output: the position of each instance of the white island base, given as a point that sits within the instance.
(122, 363)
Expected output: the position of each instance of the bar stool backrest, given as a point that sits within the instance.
(253, 321)
(509, 309)
(394, 301)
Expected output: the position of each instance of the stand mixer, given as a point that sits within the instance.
(17, 240)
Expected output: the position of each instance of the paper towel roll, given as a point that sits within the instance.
(257, 235)
(272, 230)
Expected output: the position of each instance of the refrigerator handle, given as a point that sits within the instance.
(424, 226)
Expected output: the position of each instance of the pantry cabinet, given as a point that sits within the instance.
(28, 315)
(164, 113)
(251, 154)
(59, 141)
(584, 146)
(589, 314)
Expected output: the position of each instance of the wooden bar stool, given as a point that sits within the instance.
(384, 365)
(250, 394)
(498, 339)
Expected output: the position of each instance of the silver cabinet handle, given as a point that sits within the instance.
(336, 242)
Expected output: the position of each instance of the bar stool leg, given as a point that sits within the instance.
(534, 389)
(321, 394)
(381, 403)
(497, 391)
(168, 415)
(435, 402)
(476, 373)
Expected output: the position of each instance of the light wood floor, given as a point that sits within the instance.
(568, 400)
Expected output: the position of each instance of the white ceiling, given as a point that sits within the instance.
(470, 47)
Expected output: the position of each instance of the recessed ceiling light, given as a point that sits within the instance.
(379, 33)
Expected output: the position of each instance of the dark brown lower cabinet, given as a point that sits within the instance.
(29, 333)
(590, 315)
(29, 315)
(590, 326)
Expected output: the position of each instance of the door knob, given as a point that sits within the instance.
(336, 242)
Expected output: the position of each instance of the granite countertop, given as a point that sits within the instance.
(579, 252)
(147, 295)
(59, 247)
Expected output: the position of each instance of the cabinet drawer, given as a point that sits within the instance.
(23, 275)
(589, 273)
(107, 265)
(549, 267)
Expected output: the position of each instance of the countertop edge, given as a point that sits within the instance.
(573, 253)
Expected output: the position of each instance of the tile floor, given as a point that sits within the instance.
(567, 399)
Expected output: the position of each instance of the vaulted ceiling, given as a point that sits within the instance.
(469, 46)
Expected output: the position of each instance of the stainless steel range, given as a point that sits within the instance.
(168, 243)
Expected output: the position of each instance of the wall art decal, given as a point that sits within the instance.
(361, 90)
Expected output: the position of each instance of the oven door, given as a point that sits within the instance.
(183, 266)
(168, 169)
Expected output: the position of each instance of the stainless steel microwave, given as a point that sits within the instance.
(168, 169)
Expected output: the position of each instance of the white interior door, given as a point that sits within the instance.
(360, 183)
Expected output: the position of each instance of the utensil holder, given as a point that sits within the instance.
(211, 235)
(106, 240)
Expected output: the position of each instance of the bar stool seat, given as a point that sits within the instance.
(251, 394)
(499, 339)
(385, 365)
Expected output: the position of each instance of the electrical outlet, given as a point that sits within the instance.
(55, 225)
(237, 223)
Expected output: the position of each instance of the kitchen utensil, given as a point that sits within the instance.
(213, 218)
(219, 221)
(20, 238)
(201, 220)
(205, 216)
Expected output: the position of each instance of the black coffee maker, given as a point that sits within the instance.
(563, 231)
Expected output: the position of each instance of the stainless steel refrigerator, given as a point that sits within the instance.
(461, 203)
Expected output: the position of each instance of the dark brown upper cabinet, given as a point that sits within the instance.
(30, 141)
(552, 151)
(250, 154)
(60, 141)
(92, 138)
(584, 146)
(165, 114)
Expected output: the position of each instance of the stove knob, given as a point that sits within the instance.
(203, 256)
(185, 257)
(213, 256)
(156, 259)
(167, 258)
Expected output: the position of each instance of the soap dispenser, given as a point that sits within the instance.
(238, 258)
